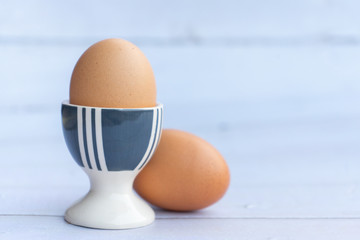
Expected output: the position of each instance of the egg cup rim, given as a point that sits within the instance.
(158, 105)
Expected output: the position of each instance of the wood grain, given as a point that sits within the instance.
(274, 86)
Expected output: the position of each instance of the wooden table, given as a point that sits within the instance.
(274, 86)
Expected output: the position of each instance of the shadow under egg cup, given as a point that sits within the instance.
(111, 145)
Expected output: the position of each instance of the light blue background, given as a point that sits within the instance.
(273, 85)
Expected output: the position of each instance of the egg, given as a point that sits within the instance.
(186, 173)
(113, 73)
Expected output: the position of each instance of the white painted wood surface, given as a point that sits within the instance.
(273, 85)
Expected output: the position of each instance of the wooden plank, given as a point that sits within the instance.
(193, 22)
(288, 159)
(308, 181)
(273, 201)
(20, 227)
(288, 77)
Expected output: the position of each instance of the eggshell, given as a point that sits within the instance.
(186, 173)
(113, 73)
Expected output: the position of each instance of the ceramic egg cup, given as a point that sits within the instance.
(111, 145)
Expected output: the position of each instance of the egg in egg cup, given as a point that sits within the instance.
(111, 145)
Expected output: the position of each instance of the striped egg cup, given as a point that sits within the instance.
(111, 145)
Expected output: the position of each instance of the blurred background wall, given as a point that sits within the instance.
(261, 80)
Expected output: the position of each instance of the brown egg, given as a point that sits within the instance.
(186, 173)
(113, 73)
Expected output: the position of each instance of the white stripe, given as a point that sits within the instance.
(99, 140)
(157, 134)
(81, 137)
(161, 120)
(144, 158)
(89, 139)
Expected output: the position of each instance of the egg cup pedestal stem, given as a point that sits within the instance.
(111, 203)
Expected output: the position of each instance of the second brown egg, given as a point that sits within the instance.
(186, 173)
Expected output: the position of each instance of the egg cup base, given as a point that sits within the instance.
(111, 203)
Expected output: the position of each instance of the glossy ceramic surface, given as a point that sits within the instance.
(112, 146)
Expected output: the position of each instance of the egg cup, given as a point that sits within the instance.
(111, 145)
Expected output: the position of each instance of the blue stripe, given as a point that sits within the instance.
(94, 139)
(126, 137)
(85, 139)
(153, 143)
(69, 119)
